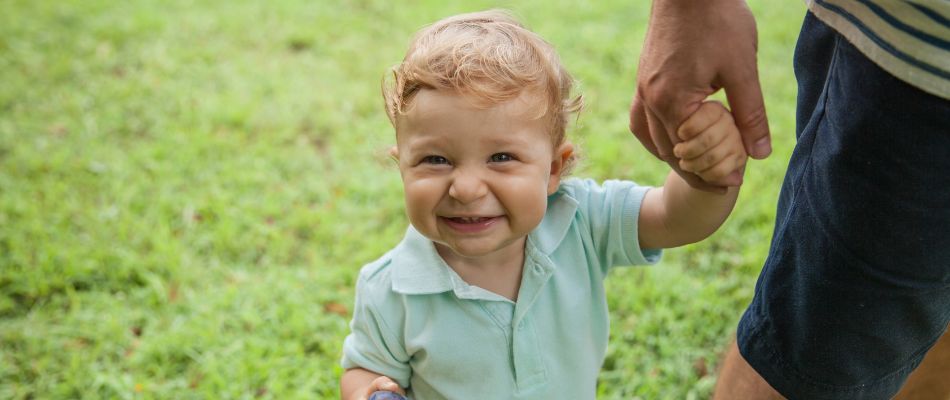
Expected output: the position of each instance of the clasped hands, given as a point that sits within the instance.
(693, 49)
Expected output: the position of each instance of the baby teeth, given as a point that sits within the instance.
(468, 220)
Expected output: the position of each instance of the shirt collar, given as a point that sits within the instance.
(418, 268)
(557, 220)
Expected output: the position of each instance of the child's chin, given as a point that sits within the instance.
(469, 250)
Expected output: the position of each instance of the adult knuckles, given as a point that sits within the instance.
(659, 92)
(755, 118)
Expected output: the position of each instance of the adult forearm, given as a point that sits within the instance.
(703, 11)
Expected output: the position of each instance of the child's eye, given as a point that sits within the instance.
(501, 157)
(434, 160)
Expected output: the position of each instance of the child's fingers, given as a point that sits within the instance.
(725, 149)
(712, 146)
(724, 170)
(385, 383)
(699, 144)
(714, 123)
(705, 116)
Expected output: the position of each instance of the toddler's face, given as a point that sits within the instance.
(476, 180)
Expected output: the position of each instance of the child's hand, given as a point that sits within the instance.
(712, 146)
(383, 383)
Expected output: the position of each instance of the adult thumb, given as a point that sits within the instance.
(748, 110)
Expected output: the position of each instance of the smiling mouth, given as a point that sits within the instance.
(470, 224)
(468, 220)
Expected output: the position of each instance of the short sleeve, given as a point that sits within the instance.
(611, 212)
(372, 344)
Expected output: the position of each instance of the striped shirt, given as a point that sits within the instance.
(908, 38)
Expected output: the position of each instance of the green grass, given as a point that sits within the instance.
(188, 189)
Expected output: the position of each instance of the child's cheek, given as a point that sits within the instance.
(527, 201)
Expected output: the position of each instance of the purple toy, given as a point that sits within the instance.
(384, 395)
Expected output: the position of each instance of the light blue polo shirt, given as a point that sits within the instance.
(416, 321)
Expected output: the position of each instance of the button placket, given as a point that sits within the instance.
(529, 369)
(526, 351)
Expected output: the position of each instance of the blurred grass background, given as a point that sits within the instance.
(188, 189)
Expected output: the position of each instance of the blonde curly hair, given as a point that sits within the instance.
(490, 58)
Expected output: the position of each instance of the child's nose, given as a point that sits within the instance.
(467, 186)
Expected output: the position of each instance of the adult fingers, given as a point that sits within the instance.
(748, 110)
(661, 137)
(651, 132)
(639, 126)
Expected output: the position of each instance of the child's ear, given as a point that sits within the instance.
(562, 154)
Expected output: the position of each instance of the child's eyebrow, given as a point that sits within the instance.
(512, 139)
(424, 140)
(509, 139)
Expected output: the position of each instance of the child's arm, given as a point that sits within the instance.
(359, 384)
(677, 214)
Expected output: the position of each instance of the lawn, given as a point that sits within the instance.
(188, 189)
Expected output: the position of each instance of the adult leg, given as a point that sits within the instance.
(737, 380)
(856, 288)
(931, 380)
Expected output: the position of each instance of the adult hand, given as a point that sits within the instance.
(693, 48)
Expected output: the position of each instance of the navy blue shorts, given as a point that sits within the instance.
(856, 287)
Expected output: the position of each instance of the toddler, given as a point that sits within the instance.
(496, 291)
